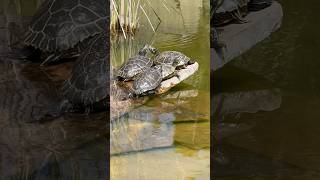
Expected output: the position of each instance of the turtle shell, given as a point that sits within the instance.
(229, 10)
(173, 58)
(167, 70)
(61, 24)
(89, 81)
(150, 79)
(134, 66)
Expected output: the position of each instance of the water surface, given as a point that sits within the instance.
(171, 132)
(282, 141)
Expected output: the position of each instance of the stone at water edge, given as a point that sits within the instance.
(182, 73)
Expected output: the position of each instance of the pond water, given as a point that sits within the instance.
(168, 137)
(276, 85)
(73, 146)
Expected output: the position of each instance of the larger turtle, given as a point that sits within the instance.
(173, 58)
(170, 61)
(147, 81)
(135, 65)
(59, 25)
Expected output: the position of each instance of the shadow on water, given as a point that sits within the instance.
(275, 88)
(70, 147)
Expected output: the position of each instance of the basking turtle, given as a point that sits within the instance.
(59, 25)
(257, 5)
(173, 58)
(135, 65)
(226, 11)
(87, 88)
(147, 81)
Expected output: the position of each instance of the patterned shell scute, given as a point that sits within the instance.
(148, 80)
(134, 66)
(167, 70)
(61, 24)
(168, 57)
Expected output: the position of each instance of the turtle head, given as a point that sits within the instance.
(191, 61)
(143, 51)
(153, 50)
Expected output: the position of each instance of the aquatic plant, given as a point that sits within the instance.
(125, 15)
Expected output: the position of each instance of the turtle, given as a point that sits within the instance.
(227, 11)
(257, 5)
(147, 81)
(135, 65)
(87, 89)
(173, 58)
(58, 27)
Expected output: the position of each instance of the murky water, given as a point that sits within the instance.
(73, 146)
(171, 131)
(273, 134)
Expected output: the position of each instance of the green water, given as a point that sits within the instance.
(172, 131)
(283, 143)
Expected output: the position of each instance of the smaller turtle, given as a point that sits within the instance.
(148, 81)
(135, 65)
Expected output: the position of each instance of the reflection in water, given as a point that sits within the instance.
(55, 148)
(283, 143)
(167, 137)
(69, 147)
